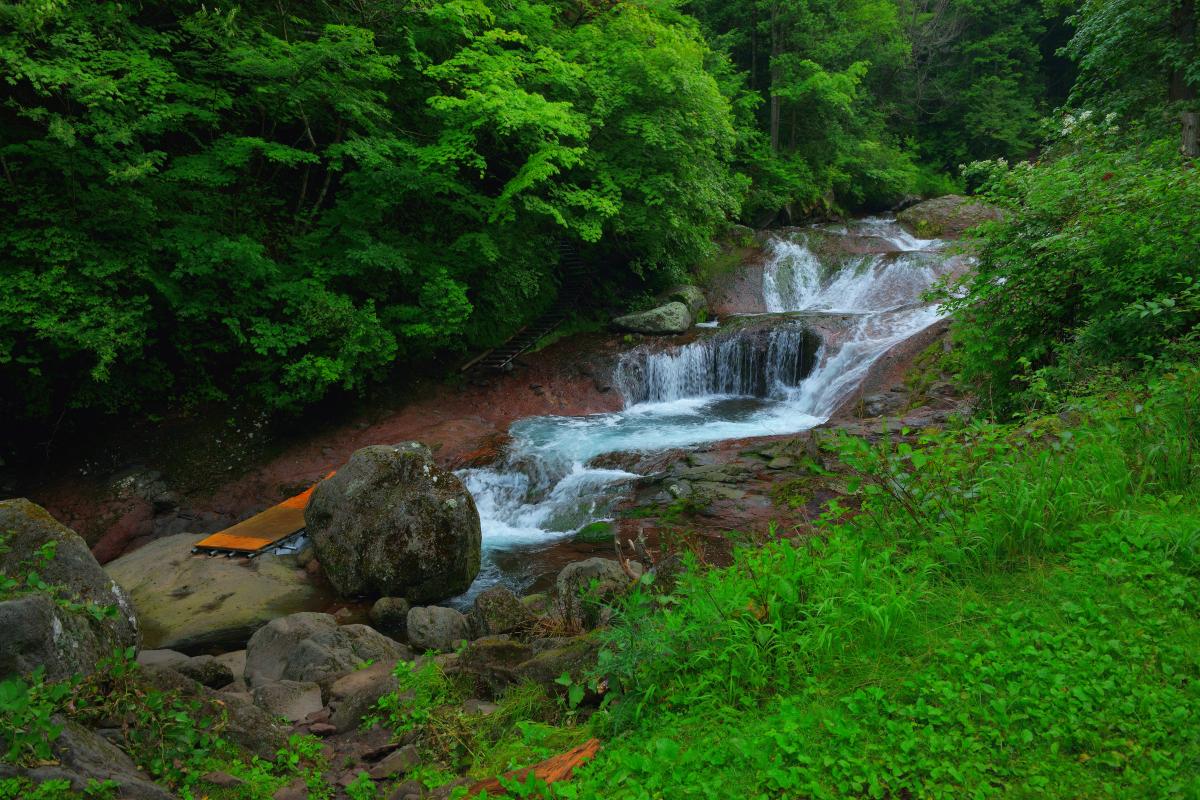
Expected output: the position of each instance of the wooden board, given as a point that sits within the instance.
(263, 529)
(558, 768)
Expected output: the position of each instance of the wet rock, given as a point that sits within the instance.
(671, 318)
(352, 696)
(389, 616)
(292, 700)
(222, 779)
(397, 763)
(583, 586)
(160, 658)
(195, 603)
(946, 217)
(84, 756)
(436, 628)
(296, 790)
(393, 523)
(236, 661)
(479, 708)
(497, 610)
(207, 671)
(408, 789)
(313, 647)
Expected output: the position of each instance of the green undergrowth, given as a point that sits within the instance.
(1004, 611)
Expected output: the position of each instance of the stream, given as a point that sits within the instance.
(750, 375)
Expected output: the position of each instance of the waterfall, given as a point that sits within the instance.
(758, 376)
(746, 363)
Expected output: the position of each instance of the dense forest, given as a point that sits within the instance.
(987, 587)
(272, 201)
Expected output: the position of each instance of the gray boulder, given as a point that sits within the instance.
(313, 647)
(946, 217)
(497, 610)
(436, 628)
(389, 616)
(393, 523)
(39, 628)
(495, 661)
(673, 317)
(583, 587)
(195, 603)
(575, 657)
(690, 296)
(292, 700)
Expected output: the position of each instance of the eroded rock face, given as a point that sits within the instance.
(195, 603)
(946, 217)
(39, 629)
(674, 317)
(392, 523)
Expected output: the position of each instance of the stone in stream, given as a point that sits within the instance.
(38, 629)
(393, 523)
(196, 603)
(671, 318)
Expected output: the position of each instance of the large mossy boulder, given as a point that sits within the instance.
(195, 603)
(391, 523)
(55, 627)
(946, 217)
(674, 317)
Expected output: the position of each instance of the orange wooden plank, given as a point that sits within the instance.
(263, 529)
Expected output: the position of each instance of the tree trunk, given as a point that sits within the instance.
(1191, 134)
(1183, 23)
(776, 51)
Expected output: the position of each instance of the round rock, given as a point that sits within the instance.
(392, 523)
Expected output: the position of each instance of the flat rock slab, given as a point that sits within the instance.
(194, 603)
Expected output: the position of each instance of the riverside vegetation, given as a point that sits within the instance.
(1005, 606)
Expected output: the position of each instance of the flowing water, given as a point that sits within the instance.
(748, 377)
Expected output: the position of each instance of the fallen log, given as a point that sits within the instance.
(558, 768)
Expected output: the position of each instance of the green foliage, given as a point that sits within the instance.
(1092, 268)
(25, 789)
(277, 201)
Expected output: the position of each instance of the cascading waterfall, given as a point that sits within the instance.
(768, 376)
(760, 363)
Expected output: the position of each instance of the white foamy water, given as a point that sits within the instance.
(752, 381)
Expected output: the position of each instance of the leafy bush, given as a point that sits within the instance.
(1092, 268)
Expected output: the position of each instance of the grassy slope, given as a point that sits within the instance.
(1040, 639)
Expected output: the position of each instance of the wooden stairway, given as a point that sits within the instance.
(574, 276)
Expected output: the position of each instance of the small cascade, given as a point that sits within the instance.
(745, 363)
(750, 377)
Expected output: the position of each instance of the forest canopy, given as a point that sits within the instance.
(274, 200)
